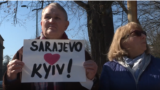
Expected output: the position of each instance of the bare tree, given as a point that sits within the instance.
(99, 23)
(3, 2)
(100, 28)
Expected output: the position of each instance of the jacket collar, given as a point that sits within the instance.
(146, 61)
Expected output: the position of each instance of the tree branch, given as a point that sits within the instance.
(3, 2)
(123, 6)
(15, 15)
(156, 2)
(42, 1)
(82, 4)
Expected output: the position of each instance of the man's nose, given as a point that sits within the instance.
(51, 20)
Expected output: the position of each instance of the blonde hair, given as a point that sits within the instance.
(116, 51)
(58, 6)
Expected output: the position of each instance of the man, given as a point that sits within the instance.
(54, 22)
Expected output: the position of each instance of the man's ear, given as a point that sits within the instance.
(41, 23)
(67, 24)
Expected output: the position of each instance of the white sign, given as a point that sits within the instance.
(53, 61)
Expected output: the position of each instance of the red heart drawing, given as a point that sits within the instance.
(51, 59)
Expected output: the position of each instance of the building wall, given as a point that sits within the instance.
(1, 56)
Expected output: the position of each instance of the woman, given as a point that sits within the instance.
(54, 22)
(131, 67)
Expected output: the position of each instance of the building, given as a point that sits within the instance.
(1, 55)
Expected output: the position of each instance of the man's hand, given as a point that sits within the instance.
(91, 69)
(15, 66)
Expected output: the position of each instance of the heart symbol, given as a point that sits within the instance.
(51, 59)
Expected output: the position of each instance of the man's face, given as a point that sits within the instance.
(53, 23)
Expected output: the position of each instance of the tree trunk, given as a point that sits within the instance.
(132, 11)
(100, 30)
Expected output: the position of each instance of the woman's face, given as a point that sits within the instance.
(53, 23)
(135, 43)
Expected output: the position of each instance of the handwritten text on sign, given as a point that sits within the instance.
(53, 61)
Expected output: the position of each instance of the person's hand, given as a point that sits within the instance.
(91, 69)
(15, 66)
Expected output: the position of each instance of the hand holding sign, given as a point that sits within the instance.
(91, 69)
(14, 67)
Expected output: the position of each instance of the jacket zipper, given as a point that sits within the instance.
(136, 81)
(127, 66)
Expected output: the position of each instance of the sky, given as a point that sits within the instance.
(14, 35)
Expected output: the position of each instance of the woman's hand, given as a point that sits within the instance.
(91, 69)
(15, 66)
